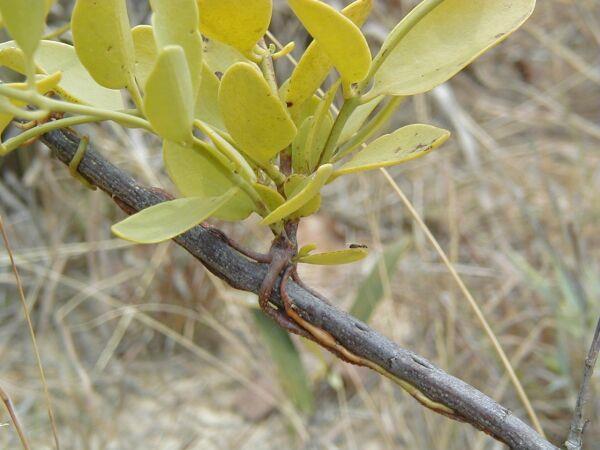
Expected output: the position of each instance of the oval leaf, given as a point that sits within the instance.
(444, 41)
(235, 24)
(169, 219)
(314, 66)
(207, 104)
(335, 258)
(293, 186)
(76, 85)
(403, 145)
(339, 38)
(146, 52)
(102, 38)
(169, 100)
(253, 114)
(310, 190)
(25, 22)
(198, 175)
(358, 118)
(176, 22)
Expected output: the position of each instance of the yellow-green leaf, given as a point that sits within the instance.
(207, 104)
(322, 124)
(338, 36)
(146, 52)
(310, 190)
(269, 196)
(431, 45)
(358, 118)
(176, 22)
(76, 85)
(25, 22)
(220, 57)
(169, 100)
(239, 25)
(315, 64)
(306, 250)
(403, 145)
(293, 186)
(169, 219)
(102, 38)
(253, 114)
(197, 174)
(335, 258)
(300, 160)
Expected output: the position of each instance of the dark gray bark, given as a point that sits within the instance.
(209, 247)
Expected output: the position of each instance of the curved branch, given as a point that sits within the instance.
(212, 249)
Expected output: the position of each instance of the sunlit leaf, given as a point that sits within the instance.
(176, 22)
(444, 41)
(239, 25)
(253, 114)
(293, 186)
(358, 118)
(25, 22)
(102, 39)
(306, 250)
(146, 52)
(335, 258)
(370, 292)
(169, 100)
(403, 145)
(338, 36)
(197, 174)
(76, 85)
(169, 219)
(290, 371)
(310, 190)
(315, 64)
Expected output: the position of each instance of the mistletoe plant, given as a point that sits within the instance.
(235, 142)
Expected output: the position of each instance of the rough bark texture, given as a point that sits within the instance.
(469, 404)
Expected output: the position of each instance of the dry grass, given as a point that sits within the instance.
(143, 349)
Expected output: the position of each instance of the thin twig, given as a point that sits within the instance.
(31, 334)
(579, 422)
(15, 419)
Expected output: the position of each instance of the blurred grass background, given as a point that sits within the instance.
(145, 349)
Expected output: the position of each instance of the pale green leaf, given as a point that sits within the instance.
(290, 370)
(309, 191)
(146, 52)
(207, 104)
(103, 41)
(76, 85)
(300, 160)
(370, 292)
(176, 22)
(321, 128)
(306, 249)
(253, 114)
(220, 57)
(269, 196)
(169, 219)
(239, 25)
(197, 174)
(293, 185)
(25, 22)
(444, 41)
(169, 100)
(338, 36)
(335, 258)
(358, 118)
(403, 145)
(315, 64)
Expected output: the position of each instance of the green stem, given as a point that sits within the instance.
(367, 131)
(57, 32)
(340, 122)
(396, 35)
(34, 98)
(34, 132)
(134, 91)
